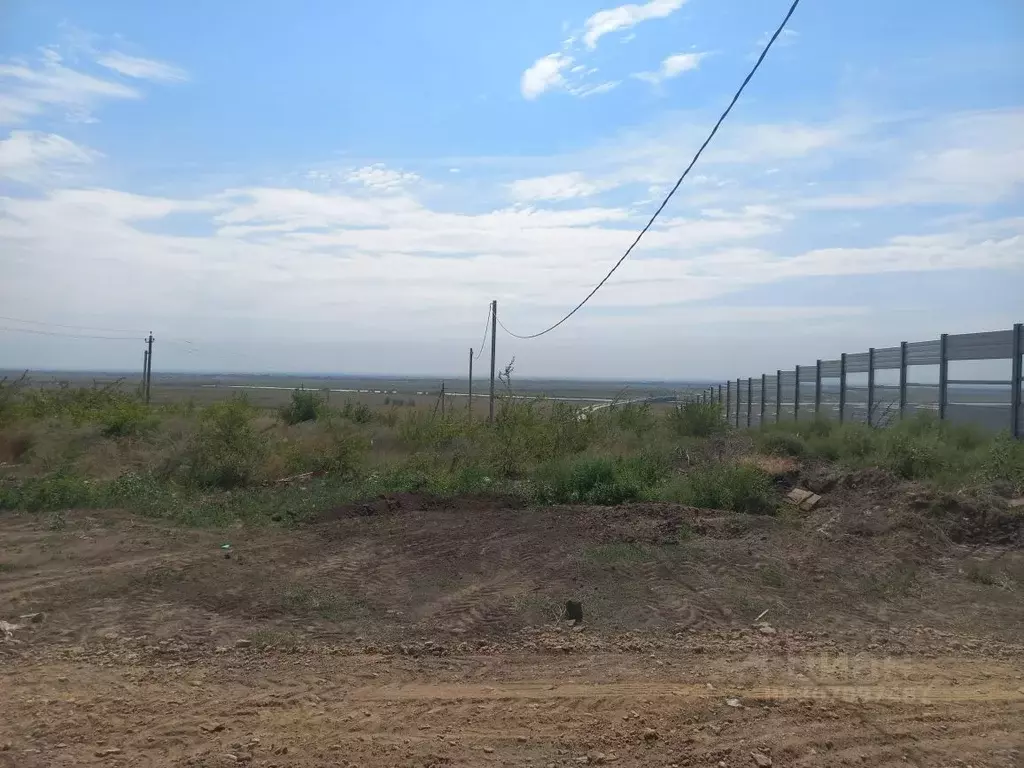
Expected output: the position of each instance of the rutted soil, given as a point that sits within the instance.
(412, 633)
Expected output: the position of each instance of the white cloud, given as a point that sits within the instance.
(558, 186)
(289, 266)
(672, 66)
(143, 69)
(561, 71)
(33, 157)
(30, 90)
(381, 178)
(975, 158)
(545, 74)
(626, 16)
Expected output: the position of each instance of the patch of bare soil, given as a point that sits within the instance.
(412, 633)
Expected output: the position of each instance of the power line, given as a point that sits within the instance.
(72, 327)
(67, 335)
(678, 183)
(480, 349)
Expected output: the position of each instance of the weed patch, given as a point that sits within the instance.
(617, 553)
(735, 487)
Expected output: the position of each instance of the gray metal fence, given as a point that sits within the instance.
(881, 385)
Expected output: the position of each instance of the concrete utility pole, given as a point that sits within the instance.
(494, 337)
(469, 406)
(149, 364)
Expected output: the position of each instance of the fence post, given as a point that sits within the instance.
(903, 378)
(842, 387)
(1018, 343)
(750, 399)
(943, 376)
(764, 382)
(719, 396)
(871, 384)
(796, 396)
(817, 388)
(728, 400)
(737, 403)
(778, 395)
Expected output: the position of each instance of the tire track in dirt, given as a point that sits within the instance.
(584, 696)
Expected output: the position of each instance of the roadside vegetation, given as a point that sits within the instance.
(65, 448)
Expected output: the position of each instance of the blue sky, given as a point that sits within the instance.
(325, 186)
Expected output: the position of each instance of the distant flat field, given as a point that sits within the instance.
(271, 390)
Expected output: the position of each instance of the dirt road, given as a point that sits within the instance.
(429, 637)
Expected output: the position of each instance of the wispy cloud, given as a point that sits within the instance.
(624, 17)
(562, 71)
(140, 68)
(558, 186)
(32, 157)
(672, 66)
(33, 88)
(381, 178)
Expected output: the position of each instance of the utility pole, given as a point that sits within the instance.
(145, 371)
(149, 364)
(442, 398)
(469, 405)
(494, 338)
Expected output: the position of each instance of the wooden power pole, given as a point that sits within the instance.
(469, 405)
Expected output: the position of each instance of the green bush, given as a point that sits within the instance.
(695, 419)
(778, 443)
(338, 449)
(126, 419)
(586, 480)
(739, 488)
(856, 441)
(80, 405)
(227, 451)
(916, 456)
(636, 418)
(357, 413)
(419, 430)
(1002, 460)
(306, 405)
(58, 490)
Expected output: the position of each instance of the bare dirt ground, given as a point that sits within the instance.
(406, 633)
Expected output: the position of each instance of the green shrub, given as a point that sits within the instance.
(695, 419)
(855, 441)
(1002, 460)
(636, 418)
(55, 491)
(818, 427)
(587, 480)
(338, 448)
(227, 451)
(778, 443)
(306, 405)
(78, 404)
(739, 488)
(916, 456)
(126, 419)
(424, 429)
(357, 413)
